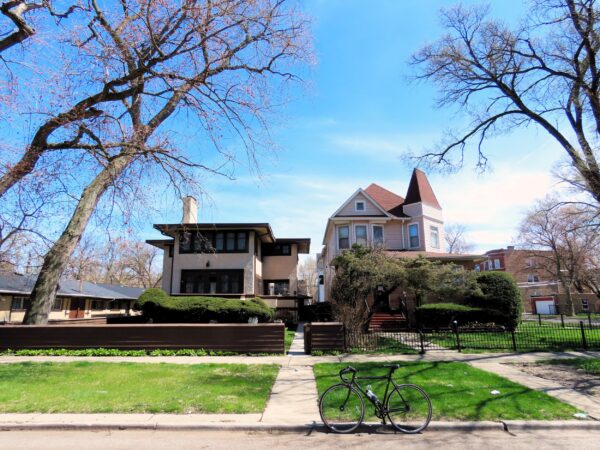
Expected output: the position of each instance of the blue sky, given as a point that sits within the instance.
(352, 120)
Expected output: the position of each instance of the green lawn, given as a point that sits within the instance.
(530, 336)
(85, 387)
(458, 391)
(589, 365)
(289, 337)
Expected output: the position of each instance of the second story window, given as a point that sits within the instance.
(413, 235)
(277, 250)
(434, 236)
(343, 237)
(213, 242)
(496, 263)
(361, 234)
(378, 235)
(532, 278)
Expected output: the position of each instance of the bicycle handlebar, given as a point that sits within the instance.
(348, 369)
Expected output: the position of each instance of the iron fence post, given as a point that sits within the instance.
(421, 340)
(540, 319)
(455, 326)
(514, 340)
(590, 319)
(583, 339)
(562, 320)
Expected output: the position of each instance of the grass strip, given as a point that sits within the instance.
(98, 387)
(457, 391)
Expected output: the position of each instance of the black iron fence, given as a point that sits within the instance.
(531, 335)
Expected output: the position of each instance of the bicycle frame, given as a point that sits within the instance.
(380, 408)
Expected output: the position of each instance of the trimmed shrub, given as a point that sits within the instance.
(441, 315)
(158, 307)
(500, 294)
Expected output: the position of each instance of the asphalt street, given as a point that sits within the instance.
(149, 440)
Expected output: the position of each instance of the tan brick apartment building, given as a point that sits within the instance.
(540, 290)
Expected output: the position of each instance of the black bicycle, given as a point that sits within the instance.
(342, 408)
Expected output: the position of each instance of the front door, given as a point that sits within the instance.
(77, 308)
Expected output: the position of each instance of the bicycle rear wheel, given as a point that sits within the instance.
(342, 408)
(409, 408)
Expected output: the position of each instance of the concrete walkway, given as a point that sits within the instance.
(294, 396)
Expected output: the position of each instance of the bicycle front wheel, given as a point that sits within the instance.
(409, 408)
(342, 408)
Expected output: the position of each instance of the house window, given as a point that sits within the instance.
(98, 305)
(343, 237)
(277, 250)
(57, 304)
(361, 234)
(477, 268)
(496, 263)
(585, 305)
(212, 281)
(211, 242)
(413, 234)
(532, 278)
(377, 235)
(435, 237)
(359, 206)
(280, 287)
(20, 303)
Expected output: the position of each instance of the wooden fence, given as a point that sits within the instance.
(324, 336)
(243, 338)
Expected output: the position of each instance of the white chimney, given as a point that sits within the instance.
(190, 210)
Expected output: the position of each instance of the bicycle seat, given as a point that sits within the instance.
(392, 366)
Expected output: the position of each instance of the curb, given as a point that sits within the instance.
(369, 427)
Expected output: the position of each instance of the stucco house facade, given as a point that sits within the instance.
(405, 227)
(237, 260)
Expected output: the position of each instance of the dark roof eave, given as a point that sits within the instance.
(165, 228)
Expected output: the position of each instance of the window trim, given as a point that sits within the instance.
(437, 231)
(22, 302)
(382, 234)
(364, 204)
(337, 234)
(415, 224)
(366, 227)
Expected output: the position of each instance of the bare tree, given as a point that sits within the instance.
(307, 272)
(544, 72)
(119, 261)
(456, 240)
(213, 59)
(562, 241)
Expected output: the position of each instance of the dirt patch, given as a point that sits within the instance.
(567, 376)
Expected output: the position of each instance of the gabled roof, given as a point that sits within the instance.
(419, 190)
(389, 201)
(367, 196)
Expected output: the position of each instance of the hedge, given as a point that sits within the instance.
(158, 307)
(500, 294)
(441, 315)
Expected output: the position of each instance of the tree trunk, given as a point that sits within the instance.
(55, 261)
(570, 305)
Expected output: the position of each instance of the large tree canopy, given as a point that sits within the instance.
(544, 72)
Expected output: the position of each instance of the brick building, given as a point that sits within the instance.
(540, 289)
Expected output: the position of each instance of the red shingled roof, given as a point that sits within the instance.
(389, 201)
(419, 190)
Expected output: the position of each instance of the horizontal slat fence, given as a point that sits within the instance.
(242, 338)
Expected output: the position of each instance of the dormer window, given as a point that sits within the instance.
(359, 206)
